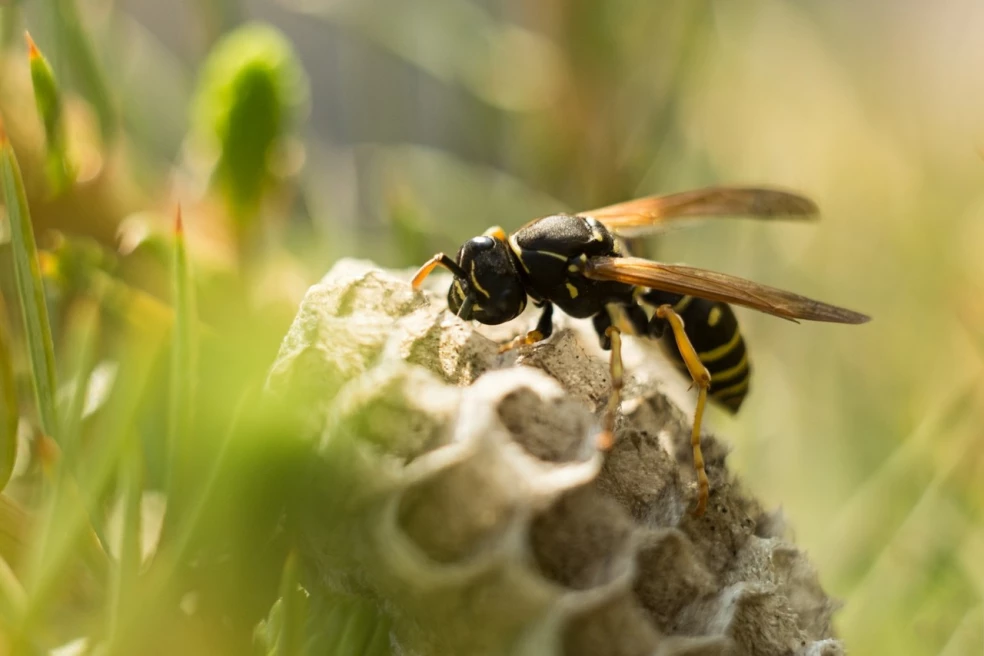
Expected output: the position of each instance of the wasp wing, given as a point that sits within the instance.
(657, 213)
(716, 287)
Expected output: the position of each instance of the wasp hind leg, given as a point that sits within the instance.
(543, 330)
(702, 378)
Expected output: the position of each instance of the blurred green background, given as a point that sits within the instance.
(296, 132)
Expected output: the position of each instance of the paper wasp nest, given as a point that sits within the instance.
(461, 491)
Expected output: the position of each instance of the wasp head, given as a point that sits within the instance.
(488, 288)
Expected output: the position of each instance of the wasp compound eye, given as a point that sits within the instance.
(478, 244)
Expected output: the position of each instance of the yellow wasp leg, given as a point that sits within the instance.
(531, 337)
(702, 377)
(607, 437)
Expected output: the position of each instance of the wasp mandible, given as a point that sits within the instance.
(580, 263)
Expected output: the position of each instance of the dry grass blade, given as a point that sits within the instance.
(30, 289)
(9, 413)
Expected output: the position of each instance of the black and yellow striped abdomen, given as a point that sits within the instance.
(713, 330)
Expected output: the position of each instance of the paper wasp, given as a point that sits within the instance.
(577, 263)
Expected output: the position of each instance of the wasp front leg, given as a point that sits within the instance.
(702, 378)
(543, 330)
(613, 337)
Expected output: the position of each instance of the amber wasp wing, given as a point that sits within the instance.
(716, 286)
(658, 213)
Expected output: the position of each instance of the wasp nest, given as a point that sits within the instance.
(460, 490)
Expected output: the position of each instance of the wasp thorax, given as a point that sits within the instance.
(492, 290)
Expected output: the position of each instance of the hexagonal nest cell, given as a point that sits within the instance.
(479, 515)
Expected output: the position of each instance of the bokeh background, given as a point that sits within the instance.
(390, 129)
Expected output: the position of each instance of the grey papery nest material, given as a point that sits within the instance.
(461, 490)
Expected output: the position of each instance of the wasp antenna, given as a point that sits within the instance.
(438, 260)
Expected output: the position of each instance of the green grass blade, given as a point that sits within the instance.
(294, 608)
(30, 288)
(177, 538)
(123, 580)
(82, 331)
(9, 413)
(182, 362)
(191, 518)
(117, 420)
(10, 16)
(966, 637)
(47, 97)
(80, 56)
(12, 595)
(13, 601)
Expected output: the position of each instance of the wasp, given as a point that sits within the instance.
(580, 263)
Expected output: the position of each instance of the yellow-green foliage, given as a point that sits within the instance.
(251, 91)
(436, 119)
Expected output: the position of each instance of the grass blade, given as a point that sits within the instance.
(9, 413)
(15, 531)
(12, 595)
(117, 421)
(47, 97)
(182, 362)
(30, 288)
(82, 333)
(174, 545)
(123, 579)
(79, 54)
(294, 601)
(13, 600)
(966, 637)
(10, 14)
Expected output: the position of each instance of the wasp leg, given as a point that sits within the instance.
(543, 330)
(602, 322)
(607, 437)
(702, 378)
(544, 324)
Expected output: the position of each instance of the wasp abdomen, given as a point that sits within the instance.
(714, 332)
